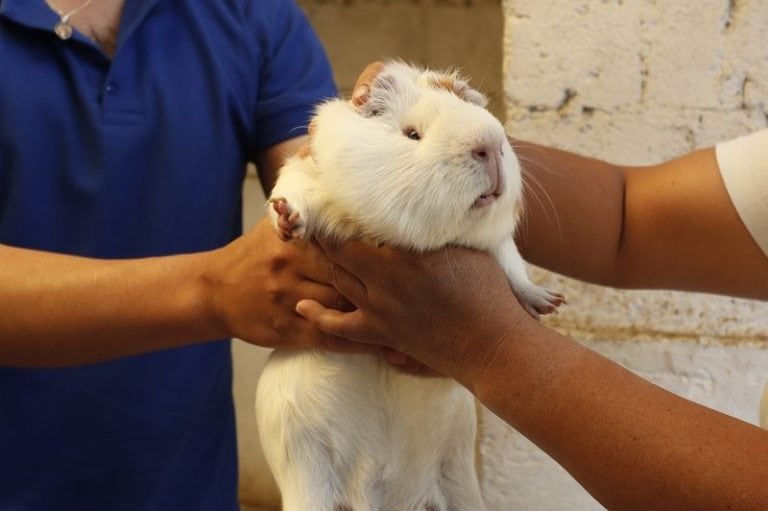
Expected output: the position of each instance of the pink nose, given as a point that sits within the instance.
(486, 152)
(490, 155)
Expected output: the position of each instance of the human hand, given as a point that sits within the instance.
(255, 282)
(449, 309)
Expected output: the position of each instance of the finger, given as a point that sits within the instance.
(353, 256)
(347, 284)
(344, 281)
(347, 325)
(361, 92)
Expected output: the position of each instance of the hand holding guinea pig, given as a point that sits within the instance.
(448, 309)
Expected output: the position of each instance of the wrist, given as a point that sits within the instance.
(487, 352)
(516, 365)
(208, 292)
(180, 299)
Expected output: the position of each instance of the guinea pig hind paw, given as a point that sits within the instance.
(538, 301)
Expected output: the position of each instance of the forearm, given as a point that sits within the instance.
(63, 310)
(574, 209)
(628, 442)
(667, 226)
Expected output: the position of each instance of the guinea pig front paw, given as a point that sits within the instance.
(288, 221)
(537, 300)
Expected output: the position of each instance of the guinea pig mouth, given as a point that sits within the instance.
(489, 196)
(494, 171)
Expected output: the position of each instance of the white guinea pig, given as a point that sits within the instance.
(422, 165)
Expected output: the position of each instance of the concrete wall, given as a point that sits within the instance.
(632, 82)
(635, 82)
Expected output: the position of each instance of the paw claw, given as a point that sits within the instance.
(538, 301)
(288, 221)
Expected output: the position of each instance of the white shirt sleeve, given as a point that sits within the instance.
(743, 164)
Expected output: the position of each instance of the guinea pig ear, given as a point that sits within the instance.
(385, 87)
(453, 82)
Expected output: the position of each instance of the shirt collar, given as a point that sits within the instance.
(37, 14)
(31, 13)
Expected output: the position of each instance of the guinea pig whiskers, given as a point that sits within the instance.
(528, 181)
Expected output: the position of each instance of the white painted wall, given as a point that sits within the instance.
(635, 82)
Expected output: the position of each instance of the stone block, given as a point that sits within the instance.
(561, 55)
(684, 53)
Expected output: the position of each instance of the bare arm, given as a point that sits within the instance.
(669, 226)
(62, 310)
(631, 444)
(628, 442)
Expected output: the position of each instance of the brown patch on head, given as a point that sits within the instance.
(454, 84)
(447, 82)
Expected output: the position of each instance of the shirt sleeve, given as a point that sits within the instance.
(743, 164)
(294, 73)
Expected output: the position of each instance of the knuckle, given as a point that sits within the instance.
(279, 325)
(278, 262)
(274, 293)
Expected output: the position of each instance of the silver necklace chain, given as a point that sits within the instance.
(63, 29)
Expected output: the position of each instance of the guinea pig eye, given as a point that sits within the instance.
(412, 134)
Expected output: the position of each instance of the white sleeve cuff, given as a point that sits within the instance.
(743, 164)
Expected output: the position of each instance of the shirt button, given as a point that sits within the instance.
(110, 88)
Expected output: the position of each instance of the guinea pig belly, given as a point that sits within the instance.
(431, 452)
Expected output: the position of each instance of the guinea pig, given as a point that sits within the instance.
(421, 164)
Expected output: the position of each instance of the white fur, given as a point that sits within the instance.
(348, 432)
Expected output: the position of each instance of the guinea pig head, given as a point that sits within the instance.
(421, 163)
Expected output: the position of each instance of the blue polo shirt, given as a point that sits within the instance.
(141, 155)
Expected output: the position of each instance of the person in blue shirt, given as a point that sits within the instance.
(125, 129)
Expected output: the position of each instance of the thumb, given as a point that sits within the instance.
(347, 325)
